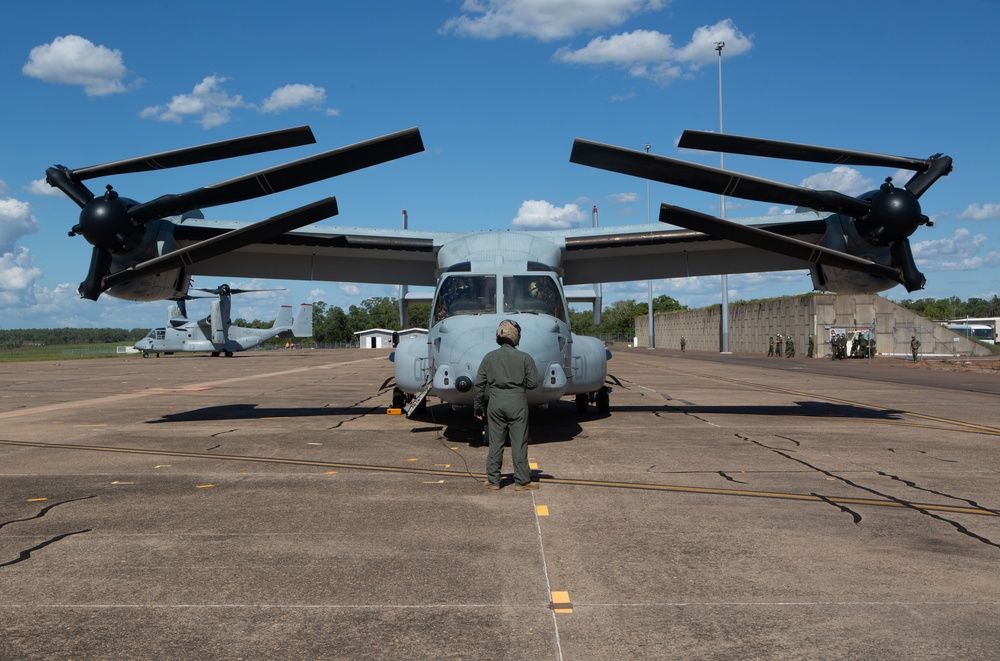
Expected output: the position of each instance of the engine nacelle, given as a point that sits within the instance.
(411, 364)
(842, 235)
(588, 365)
(158, 240)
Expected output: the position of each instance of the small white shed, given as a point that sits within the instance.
(380, 338)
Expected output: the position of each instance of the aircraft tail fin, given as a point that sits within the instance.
(303, 326)
(284, 318)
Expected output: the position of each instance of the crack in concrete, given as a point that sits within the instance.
(904, 503)
(45, 510)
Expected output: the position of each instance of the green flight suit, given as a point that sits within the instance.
(504, 377)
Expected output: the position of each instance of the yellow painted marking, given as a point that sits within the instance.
(37, 500)
(204, 486)
(163, 466)
(443, 465)
(119, 482)
(436, 482)
(533, 465)
(414, 459)
(453, 449)
(394, 411)
(314, 444)
(330, 473)
(559, 597)
(542, 510)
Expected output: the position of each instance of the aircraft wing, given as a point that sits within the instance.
(652, 252)
(589, 255)
(316, 252)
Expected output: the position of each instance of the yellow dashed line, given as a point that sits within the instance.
(37, 500)
(204, 486)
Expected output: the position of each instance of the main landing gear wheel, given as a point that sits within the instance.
(603, 400)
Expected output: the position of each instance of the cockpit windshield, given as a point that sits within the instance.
(465, 294)
(157, 334)
(532, 293)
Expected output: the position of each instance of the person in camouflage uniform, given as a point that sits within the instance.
(500, 395)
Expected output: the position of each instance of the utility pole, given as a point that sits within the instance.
(724, 331)
(652, 336)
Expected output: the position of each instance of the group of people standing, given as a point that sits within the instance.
(778, 345)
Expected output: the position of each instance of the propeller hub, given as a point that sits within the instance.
(895, 214)
(104, 221)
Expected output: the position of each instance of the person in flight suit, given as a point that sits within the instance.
(914, 346)
(504, 377)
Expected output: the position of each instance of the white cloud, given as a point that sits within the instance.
(73, 60)
(17, 271)
(349, 288)
(294, 96)
(652, 55)
(623, 198)
(842, 179)
(15, 221)
(539, 214)
(544, 20)
(964, 251)
(987, 211)
(208, 104)
(41, 187)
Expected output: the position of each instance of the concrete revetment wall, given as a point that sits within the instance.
(798, 317)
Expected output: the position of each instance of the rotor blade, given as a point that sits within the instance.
(764, 240)
(216, 151)
(283, 177)
(940, 167)
(712, 180)
(902, 256)
(736, 144)
(227, 242)
(100, 264)
(217, 291)
(58, 177)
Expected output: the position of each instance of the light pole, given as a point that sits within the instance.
(724, 331)
(649, 283)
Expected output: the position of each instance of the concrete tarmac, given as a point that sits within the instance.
(265, 506)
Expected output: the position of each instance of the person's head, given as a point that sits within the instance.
(509, 332)
(533, 288)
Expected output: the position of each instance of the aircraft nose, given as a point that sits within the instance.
(463, 384)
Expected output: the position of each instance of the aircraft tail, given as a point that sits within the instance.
(284, 318)
(303, 326)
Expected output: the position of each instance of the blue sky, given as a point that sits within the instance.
(499, 90)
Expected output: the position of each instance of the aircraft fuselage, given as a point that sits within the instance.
(469, 303)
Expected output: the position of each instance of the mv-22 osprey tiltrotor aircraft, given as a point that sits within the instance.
(216, 333)
(147, 251)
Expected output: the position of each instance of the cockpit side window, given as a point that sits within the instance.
(533, 293)
(465, 294)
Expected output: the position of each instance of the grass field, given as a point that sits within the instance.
(62, 352)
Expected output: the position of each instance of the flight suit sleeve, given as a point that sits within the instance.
(479, 390)
(530, 373)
